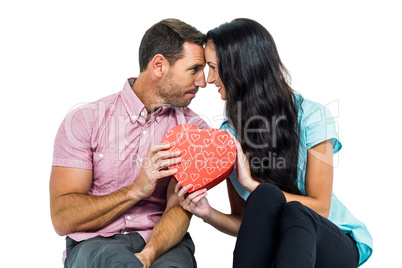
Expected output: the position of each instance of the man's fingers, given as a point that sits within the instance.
(162, 149)
(156, 156)
(161, 155)
(165, 173)
(157, 147)
(167, 163)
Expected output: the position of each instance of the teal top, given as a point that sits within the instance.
(317, 125)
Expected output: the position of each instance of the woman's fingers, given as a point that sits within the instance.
(241, 157)
(200, 195)
(188, 201)
(182, 193)
(177, 187)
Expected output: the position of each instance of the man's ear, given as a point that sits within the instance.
(159, 65)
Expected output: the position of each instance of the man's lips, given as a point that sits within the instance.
(192, 91)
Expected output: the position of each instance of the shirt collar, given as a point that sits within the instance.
(134, 106)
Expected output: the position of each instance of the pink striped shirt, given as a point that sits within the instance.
(110, 137)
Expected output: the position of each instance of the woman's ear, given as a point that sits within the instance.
(159, 65)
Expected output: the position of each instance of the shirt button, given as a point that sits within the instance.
(140, 159)
(144, 132)
(128, 217)
(158, 117)
(134, 117)
(125, 233)
(100, 155)
(142, 113)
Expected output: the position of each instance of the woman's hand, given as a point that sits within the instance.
(195, 203)
(243, 168)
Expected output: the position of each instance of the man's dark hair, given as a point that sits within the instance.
(167, 38)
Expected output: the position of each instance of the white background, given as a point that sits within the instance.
(58, 54)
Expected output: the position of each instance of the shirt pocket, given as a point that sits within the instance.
(105, 172)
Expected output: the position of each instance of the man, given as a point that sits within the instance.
(110, 190)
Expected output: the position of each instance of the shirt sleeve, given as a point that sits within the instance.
(225, 126)
(321, 126)
(194, 119)
(201, 124)
(72, 146)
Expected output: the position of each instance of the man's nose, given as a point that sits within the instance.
(200, 82)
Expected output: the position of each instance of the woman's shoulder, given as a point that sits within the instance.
(317, 123)
(307, 106)
(311, 111)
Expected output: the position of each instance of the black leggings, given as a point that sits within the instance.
(274, 233)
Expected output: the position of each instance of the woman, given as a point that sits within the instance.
(283, 211)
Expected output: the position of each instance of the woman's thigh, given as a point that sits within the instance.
(312, 240)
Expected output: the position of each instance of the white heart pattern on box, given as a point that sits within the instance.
(208, 156)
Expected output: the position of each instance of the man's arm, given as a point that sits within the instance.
(169, 230)
(73, 210)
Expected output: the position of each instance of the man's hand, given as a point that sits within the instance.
(169, 230)
(155, 167)
(142, 260)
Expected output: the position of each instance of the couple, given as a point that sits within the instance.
(113, 197)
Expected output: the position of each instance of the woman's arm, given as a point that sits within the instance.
(319, 179)
(197, 204)
(229, 223)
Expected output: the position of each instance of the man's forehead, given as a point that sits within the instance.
(194, 53)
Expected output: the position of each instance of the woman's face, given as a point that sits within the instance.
(213, 74)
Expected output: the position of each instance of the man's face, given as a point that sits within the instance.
(184, 77)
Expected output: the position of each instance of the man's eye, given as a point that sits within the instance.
(194, 70)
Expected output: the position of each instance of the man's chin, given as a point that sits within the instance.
(183, 103)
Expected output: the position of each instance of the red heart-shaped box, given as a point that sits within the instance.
(208, 155)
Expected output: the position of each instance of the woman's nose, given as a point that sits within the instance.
(210, 78)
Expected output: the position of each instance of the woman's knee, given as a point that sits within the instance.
(267, 193)
(295, 214)
(266, 200)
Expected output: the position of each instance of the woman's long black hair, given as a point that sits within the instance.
(261, 106)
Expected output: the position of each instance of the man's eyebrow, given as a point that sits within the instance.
(197, 66)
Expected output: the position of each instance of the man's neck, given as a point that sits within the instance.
(145, 91)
